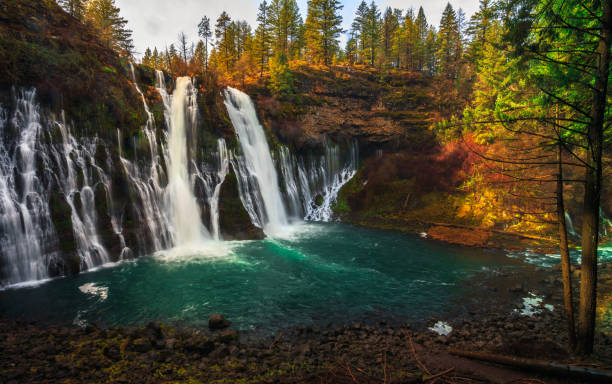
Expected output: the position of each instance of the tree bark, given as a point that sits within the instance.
(565, 259)
(592, 194)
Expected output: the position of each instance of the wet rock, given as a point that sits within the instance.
(216, 322)
(228, 335)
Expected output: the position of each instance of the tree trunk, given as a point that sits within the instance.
(592, 194)
(565, 259)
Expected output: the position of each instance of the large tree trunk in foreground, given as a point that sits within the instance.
(565, 259)
(592, 194)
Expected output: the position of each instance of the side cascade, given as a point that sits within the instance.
(47, 175)
(306, 187)
(259, 185)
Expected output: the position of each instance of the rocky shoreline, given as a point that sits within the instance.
(490, 317)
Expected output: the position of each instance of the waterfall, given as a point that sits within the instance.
(310, 185)
(257, 170)
(213, 187)
(327, 178)
(25, 219)
(181, 204)
(146, 183)
(42, 162)
(75, 158)
(570, 224)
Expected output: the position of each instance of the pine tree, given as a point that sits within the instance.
(358, 28)
(112, 28)
(477, 29)
(351, 51)
(408, 41)
(263, 36)
(285, 21)
(156, 61)
(372, 31)
(389, 26)
(205, 33)
(146, 59)
(422, 33)
(430, 52)
(224, 41)
(322, 29)
(449, 41)
(198, 59)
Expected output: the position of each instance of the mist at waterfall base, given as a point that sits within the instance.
(327, 272)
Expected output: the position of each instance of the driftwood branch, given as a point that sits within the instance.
(539, 366)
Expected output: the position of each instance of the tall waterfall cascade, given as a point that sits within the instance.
(257, 171)
(305, 188)
(181, 205)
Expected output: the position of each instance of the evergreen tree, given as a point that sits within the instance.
(408, 41)
(322, 29)
(390, 25)
(156, 60)
(281, 78)
(198, 59)
(358, 28)
(205, 33)
(372, 31)
(147, 59)
(285, 21)
(477, 29)
(225, 43)
(430, 51)
(351, 51)
(112, 28)
(263, 36)
(449, 42)
(422, 33)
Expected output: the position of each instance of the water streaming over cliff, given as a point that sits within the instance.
(71, 202)
(46, 175)
(307, 186)
(25, 221)
(181, 204)
(261, 177)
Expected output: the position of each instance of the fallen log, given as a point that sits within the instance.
(538, 366)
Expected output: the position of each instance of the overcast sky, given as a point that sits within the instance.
(158, 22)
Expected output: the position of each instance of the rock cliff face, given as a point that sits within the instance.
(382, 111)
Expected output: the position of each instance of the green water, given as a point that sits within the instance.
(322, 273)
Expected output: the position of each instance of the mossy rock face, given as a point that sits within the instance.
(61, 214)
(109, 238)
(234, 220)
